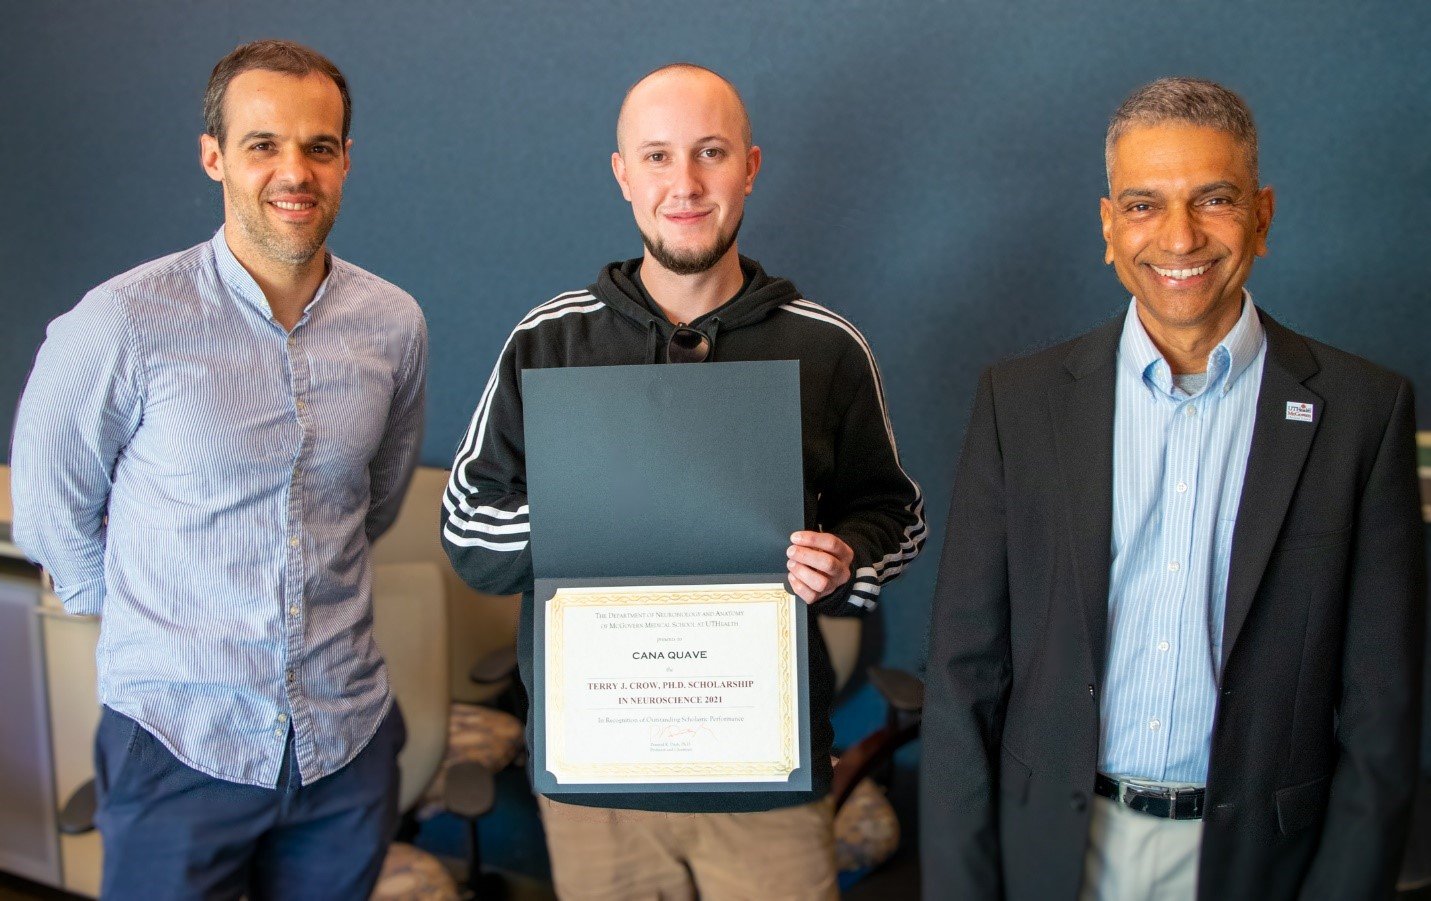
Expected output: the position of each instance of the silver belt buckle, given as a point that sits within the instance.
(1157, 791)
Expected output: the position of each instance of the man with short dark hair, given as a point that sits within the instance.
(206, 447)
(685, 161)
(1177, 635)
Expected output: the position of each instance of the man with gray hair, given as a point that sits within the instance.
(206, 448)
(1182, 659)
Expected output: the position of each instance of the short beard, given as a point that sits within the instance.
(277, 247)
(690, 262)
(291, 253)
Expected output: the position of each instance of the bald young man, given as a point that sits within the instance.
(686, 163)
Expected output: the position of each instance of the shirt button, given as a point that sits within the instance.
(1174, 566)
(293, 542)
(300, 404)
(1155, 725)
(277, 733)
(1163, 645)
(1182, 486)
(293, 610)
(1190, 410)
(283, 717)
(291, 677)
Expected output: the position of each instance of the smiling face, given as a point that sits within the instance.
(1183, 221)
(684, 165)
(282, 165)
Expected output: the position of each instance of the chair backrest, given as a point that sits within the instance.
(842, 637)
(410, 625)
(478, 623)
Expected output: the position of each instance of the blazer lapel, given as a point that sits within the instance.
(1082, 414)
(1274, 466)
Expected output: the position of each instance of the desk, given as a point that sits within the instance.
(29, 842)
(50, 710)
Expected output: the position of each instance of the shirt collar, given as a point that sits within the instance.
(243, 284)
(1227, 361)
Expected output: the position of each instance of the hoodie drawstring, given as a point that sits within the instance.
(653, 342)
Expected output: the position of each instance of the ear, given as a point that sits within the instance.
(1266, 207)
(618, 169)
(1105, 213)
(752, 167)
(211, 157)
(347, 156)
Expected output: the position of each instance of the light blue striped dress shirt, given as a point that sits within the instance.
(244, 471)
(1178, 466)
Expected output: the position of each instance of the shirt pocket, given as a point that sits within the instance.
(1014, 776)
(1308, 540)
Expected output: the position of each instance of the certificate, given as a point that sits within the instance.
(676, 684)
(669, 683)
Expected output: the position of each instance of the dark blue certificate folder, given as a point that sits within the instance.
(664, 474)
(666, 470)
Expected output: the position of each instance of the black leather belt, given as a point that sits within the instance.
(1170, 804)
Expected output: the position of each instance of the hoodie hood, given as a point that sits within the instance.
(618, 288)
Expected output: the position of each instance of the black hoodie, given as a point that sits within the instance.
(854, 485)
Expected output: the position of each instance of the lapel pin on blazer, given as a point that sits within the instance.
(1299, 412)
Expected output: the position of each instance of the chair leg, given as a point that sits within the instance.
(407, 828)
(891, 724)
(479, 885)
(474, 860)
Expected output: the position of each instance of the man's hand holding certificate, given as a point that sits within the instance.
(819, 563)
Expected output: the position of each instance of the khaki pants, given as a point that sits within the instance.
(599, 853)
(1135, 857)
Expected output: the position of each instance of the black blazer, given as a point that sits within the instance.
(1314, 739)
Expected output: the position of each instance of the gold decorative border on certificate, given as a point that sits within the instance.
(642, 596)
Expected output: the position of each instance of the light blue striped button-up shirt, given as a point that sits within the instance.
(244, 471)
(1178, 466)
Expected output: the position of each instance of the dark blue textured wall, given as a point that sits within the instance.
(931, 170)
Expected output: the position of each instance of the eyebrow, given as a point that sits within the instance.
(1210, 187)
(1136, 192)
(270, 136)
(1223, 185)
(708, 139)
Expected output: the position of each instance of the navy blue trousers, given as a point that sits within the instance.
(170, 831)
